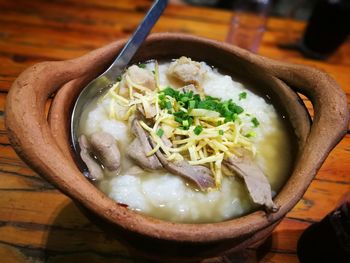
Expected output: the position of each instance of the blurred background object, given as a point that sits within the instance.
(248, 23)
(280, 8)
(327, 29)
(328, 240)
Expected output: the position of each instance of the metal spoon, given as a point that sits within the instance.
(106, 79)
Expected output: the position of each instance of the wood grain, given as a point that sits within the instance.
(37, 222)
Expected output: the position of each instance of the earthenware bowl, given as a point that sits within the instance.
(44, 143)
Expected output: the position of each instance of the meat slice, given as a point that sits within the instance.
(137, 153)
(139, 148)
(95, 170)
(104, 146)
(141, 77)
(186, 70)
(198, 174)
(257, 184)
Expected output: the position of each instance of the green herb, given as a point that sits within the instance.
(255, 122)
(191, 104)
(185, 123)
(154, 72)
(187, 100)
(119, 78)
(198, 129)
(221, 132)
(142, 65)
(178, 119)
(250, 134)
(168, 91)
(168, 105)
(160, 132)
(242, 95)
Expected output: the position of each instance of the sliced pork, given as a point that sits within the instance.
(257, 184)
(104, 146)
(141, 77)
(186, 71)
(200, 175)
(139, 148)
(95, 170)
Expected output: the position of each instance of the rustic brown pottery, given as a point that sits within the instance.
(44, 143)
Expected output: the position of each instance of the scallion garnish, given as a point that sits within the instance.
(250, 134)
(160, 132)
(168, 105)
(255, 122)
(242, 95)
(198, 129)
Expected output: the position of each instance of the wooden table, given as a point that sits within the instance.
(39, 223)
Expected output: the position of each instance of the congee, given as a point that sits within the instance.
(183, 142)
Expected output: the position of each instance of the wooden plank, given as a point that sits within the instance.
(141, 6)
(92, 21)
(273, 257)
(10, 182)
(12, 254)
(320, 199)
(60, 42)
(91, 258)
(44, 208)
(3, 137)
(286, 235)
(337, 166)
(61, 240)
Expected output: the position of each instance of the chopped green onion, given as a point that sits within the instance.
(250, 134)
(160, 132)
(255, 122)
(142, 65)
(234, 116)
(198, 129)
(242, 95)
(168, 91)
(168, 105)
(185, 123)
(189, 101)
(178, 119)
(221, 132)
(119, 78)
(191, 104)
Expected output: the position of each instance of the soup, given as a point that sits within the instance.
(181, 141)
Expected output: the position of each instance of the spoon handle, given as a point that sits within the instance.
(136, 40)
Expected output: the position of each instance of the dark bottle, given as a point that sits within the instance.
(328, 240)
(327, 29)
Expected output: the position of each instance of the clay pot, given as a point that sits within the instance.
(44, 144)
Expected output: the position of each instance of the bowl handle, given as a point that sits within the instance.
(331, 112)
